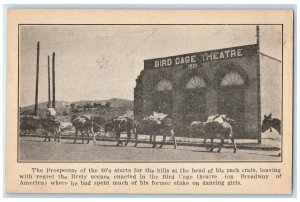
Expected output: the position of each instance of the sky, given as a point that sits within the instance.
(98, 62)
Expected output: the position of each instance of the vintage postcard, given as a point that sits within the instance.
(144, 101)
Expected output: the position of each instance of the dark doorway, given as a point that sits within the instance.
(195, 100)
(231, 101)
(163, 102)
(194, 106)
(163, 97)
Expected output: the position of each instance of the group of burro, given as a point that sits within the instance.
(218, 126)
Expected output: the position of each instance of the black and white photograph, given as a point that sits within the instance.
(91, 93)
(149, 101)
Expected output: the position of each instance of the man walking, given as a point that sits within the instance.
(51, 113)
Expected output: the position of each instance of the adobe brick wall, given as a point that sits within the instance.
(210, 71)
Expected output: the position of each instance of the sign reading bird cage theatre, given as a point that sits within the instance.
(191, 87)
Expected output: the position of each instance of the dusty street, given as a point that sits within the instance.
(33, 149)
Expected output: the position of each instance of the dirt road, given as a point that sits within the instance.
(33, 149)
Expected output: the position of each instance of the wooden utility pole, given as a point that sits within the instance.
(53, 80)
(37, 79)
(49, 87)
(258, 87)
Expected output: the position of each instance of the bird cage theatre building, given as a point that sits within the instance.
(192, 86)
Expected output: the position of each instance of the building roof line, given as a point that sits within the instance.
(202, 52)
(263, 54)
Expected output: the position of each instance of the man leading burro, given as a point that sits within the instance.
(51, 124)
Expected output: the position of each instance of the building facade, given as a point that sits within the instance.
(192, 86)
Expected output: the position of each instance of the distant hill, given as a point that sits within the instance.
(115, 103)
(43, 105)
(62, 106)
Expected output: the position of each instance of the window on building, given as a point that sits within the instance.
(232, 79)
(164, 85)
(195, 82)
